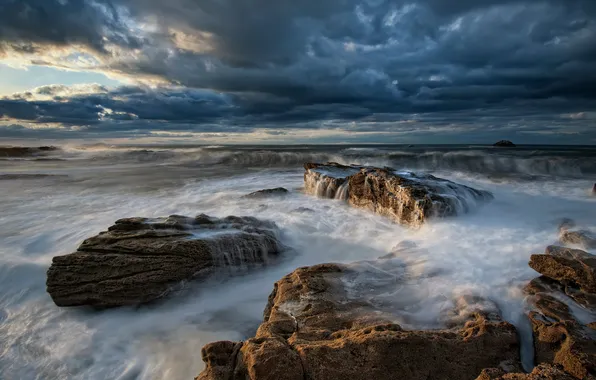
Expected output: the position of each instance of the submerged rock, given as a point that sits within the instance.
(140, 259)
(318, 325)
(405, 197)
(267, 192)
(585, 239)
(567, 266)
(505, 143)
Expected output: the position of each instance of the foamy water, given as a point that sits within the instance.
(484, 252)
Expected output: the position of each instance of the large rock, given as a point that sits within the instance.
(405, 197)
(334, 321)
(568, 266)
(139, 260)
(559, 338)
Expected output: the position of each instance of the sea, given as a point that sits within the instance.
(52, 199)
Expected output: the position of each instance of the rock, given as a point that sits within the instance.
(139, 259)
(558, 337)
(504, 143)
(568, 266)
(541, 372)
(327, 322)
(18, 151)
(594, 189)
(267, 192)
(328, 180)
(584, 239)
(406, 247)
(405, 197)
(303, 210)
(566, 224)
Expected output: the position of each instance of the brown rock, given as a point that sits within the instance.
(558, 337)
(584, 239)
(568, 266)
(139, 260)
(335, 327)
(541, 372)
(407, 198)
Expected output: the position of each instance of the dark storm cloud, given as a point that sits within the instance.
(241, 63)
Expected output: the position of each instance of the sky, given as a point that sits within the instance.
(310, 71)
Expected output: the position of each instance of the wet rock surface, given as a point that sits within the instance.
(405, 197)
(267, 193)
(139, 259)
(584, 239)
(567, 266)
(568, 282)
(322, 322)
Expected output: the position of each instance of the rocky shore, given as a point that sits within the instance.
(344, 321)
(327, 322)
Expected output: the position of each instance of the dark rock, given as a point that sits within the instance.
(18, 151)
(317, 327)
(405, 197)
(585, 239)
(267, 192)
(541, 372)
(504, 143)
(568, 266)
(139, 259)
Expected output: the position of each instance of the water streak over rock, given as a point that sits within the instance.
(407, 198)
(320, 324)
(139, 259)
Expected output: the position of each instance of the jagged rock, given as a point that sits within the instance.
(319, 325)
(541, 372)
(568, 266)
(504, 143)
(405, 197)
(139, 259)
(584, 239)
(558, 337)
(267, 192)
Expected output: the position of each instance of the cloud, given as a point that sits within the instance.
(244, 64)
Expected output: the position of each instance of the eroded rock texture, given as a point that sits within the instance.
(559, 336)
(320, 324)
(139, 260)
(541, 372)
(568, 266)
(405, 197)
